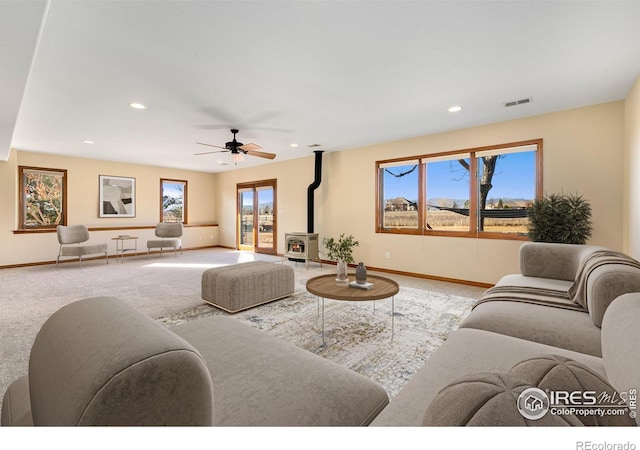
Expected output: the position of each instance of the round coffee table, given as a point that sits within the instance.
(325, 286)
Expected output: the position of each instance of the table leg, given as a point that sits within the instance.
(393, 315)
(323, 342)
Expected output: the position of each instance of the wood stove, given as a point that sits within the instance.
(302, 247)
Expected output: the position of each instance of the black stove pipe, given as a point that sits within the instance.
(312, 187)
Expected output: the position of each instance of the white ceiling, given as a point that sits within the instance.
(336, 73)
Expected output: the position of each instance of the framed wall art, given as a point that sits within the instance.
(117, 196)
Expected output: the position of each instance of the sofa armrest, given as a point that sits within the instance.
(551, 260)
(100, 362)
(620, 337)
(605, 284)
(16, 404)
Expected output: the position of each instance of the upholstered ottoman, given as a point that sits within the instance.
(242, 286)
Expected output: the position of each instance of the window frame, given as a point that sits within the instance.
(185, 216)
(22, 201)
(473, 231)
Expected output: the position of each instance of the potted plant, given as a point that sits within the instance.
(341, 251)
(560, 218)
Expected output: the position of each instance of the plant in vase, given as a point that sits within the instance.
(341, 251)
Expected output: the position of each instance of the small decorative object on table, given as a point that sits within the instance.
(366, 285)
(342, 273)
(361, 273)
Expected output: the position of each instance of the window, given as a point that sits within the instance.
(400, 195)
(507, 188)
(43, 197)
(447, 192)
(484, 192)
(173, 200)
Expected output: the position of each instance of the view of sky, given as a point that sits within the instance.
(265, 196)
(172, 189)
(514, 177)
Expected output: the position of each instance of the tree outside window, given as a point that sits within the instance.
(173, 200)
(43, 197)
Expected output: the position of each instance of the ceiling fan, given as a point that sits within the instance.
(238, 149)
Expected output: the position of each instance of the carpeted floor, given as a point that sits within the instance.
(169, 288)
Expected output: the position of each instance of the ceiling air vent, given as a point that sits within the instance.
(518, 102)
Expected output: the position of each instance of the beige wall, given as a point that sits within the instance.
(632, 164)
(583, 153)
(82, 200)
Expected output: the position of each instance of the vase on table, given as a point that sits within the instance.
(342, 273)
(361, 274)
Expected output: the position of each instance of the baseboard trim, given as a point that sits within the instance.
(421, 275)
(95, 258)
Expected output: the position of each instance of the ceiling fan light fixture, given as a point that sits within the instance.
(237, 157)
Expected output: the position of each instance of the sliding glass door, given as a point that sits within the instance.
(257, 217)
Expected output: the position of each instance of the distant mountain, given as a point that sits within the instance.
(447, 202)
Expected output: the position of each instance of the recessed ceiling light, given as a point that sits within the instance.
(222, 163)
(135, 105)
(294, 145)
(455, 108)
(87, 142)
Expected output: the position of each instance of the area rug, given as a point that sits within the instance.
(358, 335)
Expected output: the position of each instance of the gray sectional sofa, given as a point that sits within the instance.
(100, 362)
(572, 314)
(570, 301)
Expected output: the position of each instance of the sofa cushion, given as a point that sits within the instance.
(100, 362)
(558, 327)
(260, 380)
(466, 351)
(486, 399)
(620, 349)
(558, 373)
(518, 280)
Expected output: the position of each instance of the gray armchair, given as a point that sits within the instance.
(70, 239)
(170, 237)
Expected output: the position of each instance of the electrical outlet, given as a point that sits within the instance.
(387, 255)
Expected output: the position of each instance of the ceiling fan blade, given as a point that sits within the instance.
(260, 154)
(247, 147)
(208, 153)
(211, 145)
